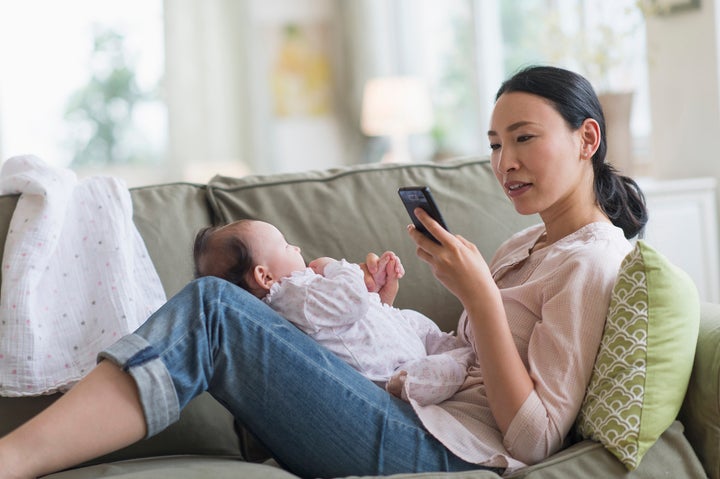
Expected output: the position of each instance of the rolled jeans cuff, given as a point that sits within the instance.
(134, 355)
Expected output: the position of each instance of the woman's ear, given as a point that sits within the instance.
(262, 277)
(590, 138)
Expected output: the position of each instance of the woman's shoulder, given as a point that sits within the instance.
(598, 242)
(597, 247)
(594, 239)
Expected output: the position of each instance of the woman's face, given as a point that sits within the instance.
(536, 157)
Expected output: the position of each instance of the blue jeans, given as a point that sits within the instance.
(318, 416)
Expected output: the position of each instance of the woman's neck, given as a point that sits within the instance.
(556, 230)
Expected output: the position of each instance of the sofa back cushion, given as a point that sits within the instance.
(7, 207)
(167, 217)
(700, 413)
(350, 211)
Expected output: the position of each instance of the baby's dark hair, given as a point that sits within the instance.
(228, 258)
(574, 98)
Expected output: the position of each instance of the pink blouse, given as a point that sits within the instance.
(556, 301)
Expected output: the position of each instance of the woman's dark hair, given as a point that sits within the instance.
(574, 99)
(232, 262)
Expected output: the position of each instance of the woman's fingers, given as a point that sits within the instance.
(433, 227)
(372, 260)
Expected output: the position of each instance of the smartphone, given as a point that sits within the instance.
(421, 197)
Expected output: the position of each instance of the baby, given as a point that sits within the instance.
(331, 301)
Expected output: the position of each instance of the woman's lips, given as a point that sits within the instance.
(516, 188)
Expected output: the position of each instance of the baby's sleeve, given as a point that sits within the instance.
(317, 302)
(435, 378)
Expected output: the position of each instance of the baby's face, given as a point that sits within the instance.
(270, 248)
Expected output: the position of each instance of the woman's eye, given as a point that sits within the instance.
(495, 146)
(523, 138)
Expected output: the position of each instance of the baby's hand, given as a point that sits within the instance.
(378, 270)
(318, 265)
(392, 270)
(393, 267)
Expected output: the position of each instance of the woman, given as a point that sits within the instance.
(534, 327)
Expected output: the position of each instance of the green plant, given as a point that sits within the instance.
(101, 112)
(598, 43)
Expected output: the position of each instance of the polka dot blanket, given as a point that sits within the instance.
(76, 276)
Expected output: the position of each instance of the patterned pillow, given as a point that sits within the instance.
(646, 355)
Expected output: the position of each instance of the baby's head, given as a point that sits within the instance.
(251, 254)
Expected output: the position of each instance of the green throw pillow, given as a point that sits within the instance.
(646, 355)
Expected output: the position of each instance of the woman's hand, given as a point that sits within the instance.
(370, 269)
(455, 262)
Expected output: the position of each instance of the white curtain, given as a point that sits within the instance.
(376, 38)
(206, 86)
(218, 100)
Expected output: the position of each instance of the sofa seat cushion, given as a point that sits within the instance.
(671, 456)
(177, 467)
(205, 428)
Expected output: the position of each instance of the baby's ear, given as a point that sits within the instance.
(262, 277)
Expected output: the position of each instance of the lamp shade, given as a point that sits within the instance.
(396, 105)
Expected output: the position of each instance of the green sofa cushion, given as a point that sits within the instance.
(646, 356)
(167, 217)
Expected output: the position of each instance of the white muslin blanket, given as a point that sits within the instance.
(76, 276)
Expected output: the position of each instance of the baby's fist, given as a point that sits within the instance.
(393, 267)
(318, 265)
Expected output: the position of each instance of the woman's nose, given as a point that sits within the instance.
(506, 162)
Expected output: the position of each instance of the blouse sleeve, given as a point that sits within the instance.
(561, 352)
(314, 302)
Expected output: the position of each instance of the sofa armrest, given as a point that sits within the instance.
(700, 413)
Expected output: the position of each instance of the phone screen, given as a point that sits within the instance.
(421, 197)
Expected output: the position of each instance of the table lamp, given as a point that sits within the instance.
(396, 107)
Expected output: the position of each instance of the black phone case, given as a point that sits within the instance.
(421, 197)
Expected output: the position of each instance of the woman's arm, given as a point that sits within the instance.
(562, 346)
(460, 267)
(565, 320)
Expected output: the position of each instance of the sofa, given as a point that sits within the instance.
(345, 213)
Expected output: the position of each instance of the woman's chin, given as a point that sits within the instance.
(525, 210)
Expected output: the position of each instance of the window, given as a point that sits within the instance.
(80, 82)
(472, 45)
